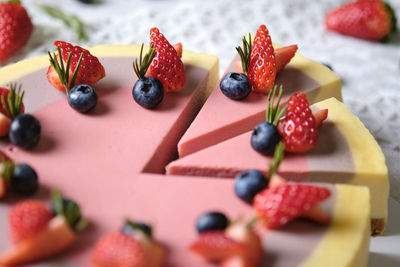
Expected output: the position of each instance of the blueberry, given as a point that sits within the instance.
(131, 226)
(235, 85)
(264, 138)
(82, 98)
(25, 131)
(211, 221)
(24, 180)
(249, 183)
(67, 204)
(148, 92)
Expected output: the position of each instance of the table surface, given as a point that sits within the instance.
(370, 72)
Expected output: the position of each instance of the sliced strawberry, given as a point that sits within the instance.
(279, 205)
(262, 68)
(55, 237)
(178, 48)
(215, 246)
(241, 232)
(166, 65)
(3, 187)
(4, 92)
(317, 215)
(119, 250)
(27, 219)
(283, 56)
(319, 116)
(5, 123)
(90, 70)
(297, 127)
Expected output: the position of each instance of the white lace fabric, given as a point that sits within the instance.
(370, 71)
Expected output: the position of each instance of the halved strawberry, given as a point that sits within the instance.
(283, 56)
(319, 116)
(298, 128)
(166, 65)
(27, 219)
(5, 123)
(262, 68)
(216, 246)
(179, 49)
(54, 238)
(119, 250)
(90, 70)
(279, 205)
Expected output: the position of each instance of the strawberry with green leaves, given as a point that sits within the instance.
(16, 28)
(372, 20)
(39, 233)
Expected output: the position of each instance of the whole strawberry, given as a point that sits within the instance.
(262, 68)
(90, 68)
(15, 28)
(167, 65)
(372, 20)
(298, 127)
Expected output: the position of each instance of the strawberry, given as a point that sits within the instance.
(90, 70)
(279, 205)
(166, 65)
(16, 95)
(320, 116)
(298, 128)
(15, 30)
(262, 69)
(216, 246)
(118, 250)
(55, 237)
(283, 56)
(178, 48)
(27, 219)
(372, 20)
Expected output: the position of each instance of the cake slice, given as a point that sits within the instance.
(222, 118)
(346, 153)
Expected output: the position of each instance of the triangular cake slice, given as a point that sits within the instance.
(222, 118)
(346, 153)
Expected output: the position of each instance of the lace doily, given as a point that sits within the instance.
(370, 71)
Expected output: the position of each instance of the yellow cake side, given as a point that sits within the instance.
(368, 159)
(346, 243)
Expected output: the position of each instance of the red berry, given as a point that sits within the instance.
(90, 70)
(262, 69)
(118, 250)
(369, 19)
(279, 205)
(4, 92)
(319, 116)
(15, 29)
(297, 127)
(215, 246)
(27, 219)
(283, 56)
(166, 65)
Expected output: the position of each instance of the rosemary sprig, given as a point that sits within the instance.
(274, 109)
(69, 20)
(63, 71)
(140, 67)
(278, 157)
(13, 104)
(245, 53)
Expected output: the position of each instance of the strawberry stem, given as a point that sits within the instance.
(278, 156)
(245, 53)
(13, 104)
(69, 20)
(140, 67)
(274, 110)
(63, 71)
